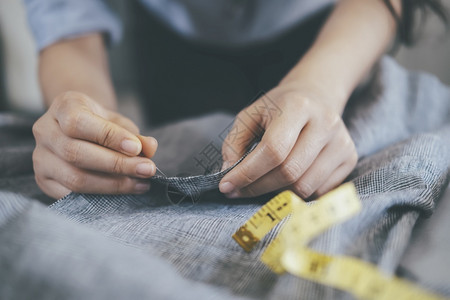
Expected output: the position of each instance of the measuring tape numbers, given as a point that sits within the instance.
(288, 251)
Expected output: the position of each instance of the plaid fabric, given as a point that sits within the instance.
(142, 246)
(194, 186)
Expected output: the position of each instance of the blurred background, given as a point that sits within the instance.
(19, 89)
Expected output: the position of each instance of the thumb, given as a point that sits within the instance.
(149, 145)
(244, 132)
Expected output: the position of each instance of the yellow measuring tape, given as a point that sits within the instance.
(288, 251)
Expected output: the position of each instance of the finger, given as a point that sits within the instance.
(86, 155)
(291, 170)
(242, 134)
(149, 145)
(321, 169)
(336, 178)
(49, 187)
(85, 125)
(52, 188)
(276, 144)
(84, 181)
(123, 122)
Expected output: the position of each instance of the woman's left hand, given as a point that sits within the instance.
(305, 146)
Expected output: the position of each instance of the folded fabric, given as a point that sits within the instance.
(194, 186)
(126, 246)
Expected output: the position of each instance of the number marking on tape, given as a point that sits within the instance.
(288, 251)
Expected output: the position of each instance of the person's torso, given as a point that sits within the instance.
(233, 22)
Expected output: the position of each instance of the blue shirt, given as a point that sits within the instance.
(218, 22)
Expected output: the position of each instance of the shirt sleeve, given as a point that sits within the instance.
(53, 20)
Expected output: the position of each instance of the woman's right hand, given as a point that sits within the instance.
(83, 147)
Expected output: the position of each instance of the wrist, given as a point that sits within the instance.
(327, 89)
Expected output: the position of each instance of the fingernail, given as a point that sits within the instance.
(145, 169)
(226, 187)
(130, 146)
(233, 195)
(142, 187)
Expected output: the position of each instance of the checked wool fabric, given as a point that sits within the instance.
(194, 186)
(126, 246)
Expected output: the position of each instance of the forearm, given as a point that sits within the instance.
(356, 34)
(77, 65)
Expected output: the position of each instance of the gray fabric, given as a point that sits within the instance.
(194, 186)
(426, 259)
(44, 256)
(401, 127)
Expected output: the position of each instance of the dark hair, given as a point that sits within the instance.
(412, 12)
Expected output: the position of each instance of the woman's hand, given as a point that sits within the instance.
(305, 145)
(83, 147)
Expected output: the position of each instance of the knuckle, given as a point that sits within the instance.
(302, 188)
(70, 123)
(228, 153)
(124, 185)
(238, 123)
(347, 142)
(331, 120)
(60, 105)
(39, 166)
(290, 171)
(36, 129)
(243, 174)
(71, 152)
(75, 181)
(38, 180)
(303, 102)
(291, 102)
(106, 136)
(226, 156)
(35, 157)
(118, 186)
(118, 165)
(69, 96)
(275, 151)
(72, 96)
(55, 138)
